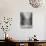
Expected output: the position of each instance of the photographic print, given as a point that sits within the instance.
(26, 19)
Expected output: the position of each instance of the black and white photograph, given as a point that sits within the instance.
(26, 19)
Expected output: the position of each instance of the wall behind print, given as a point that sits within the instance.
(12, 8)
